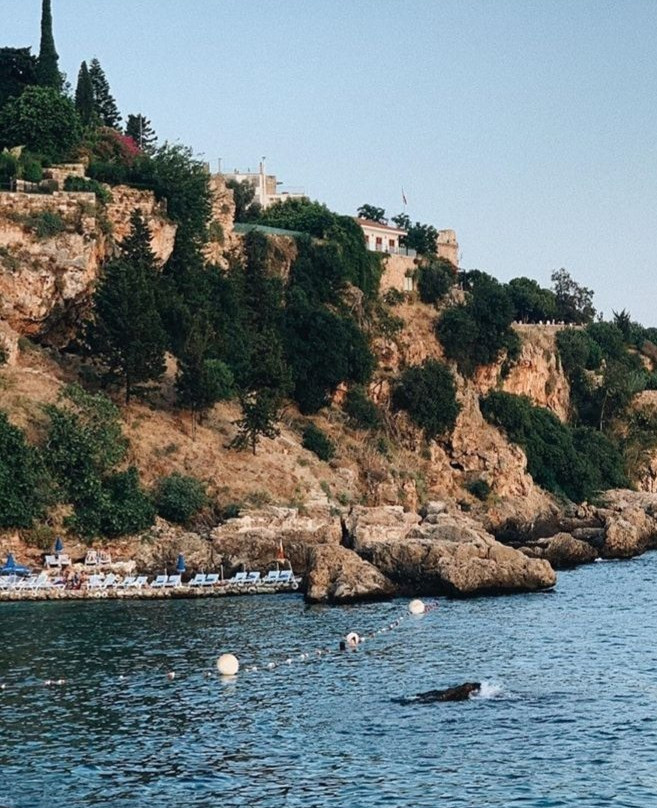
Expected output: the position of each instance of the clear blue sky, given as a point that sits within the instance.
(528, 126)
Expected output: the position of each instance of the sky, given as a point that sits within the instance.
(528, 126)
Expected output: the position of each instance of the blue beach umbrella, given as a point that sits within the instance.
(180, 566)
(59, 545)
(12, 568)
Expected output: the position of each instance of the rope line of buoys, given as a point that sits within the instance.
(228, 664)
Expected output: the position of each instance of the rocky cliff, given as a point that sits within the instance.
(51, 249)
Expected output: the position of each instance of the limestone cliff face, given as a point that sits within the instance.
(51, 249)
(475, 449)
(536, 374)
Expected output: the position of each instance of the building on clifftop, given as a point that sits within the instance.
(266, 186)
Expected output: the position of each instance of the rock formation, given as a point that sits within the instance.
(445, 553)
(338, 575)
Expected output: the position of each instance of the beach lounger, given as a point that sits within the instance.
(95, 582)
(52, 561)
(285, 577)
(128, 582)
(253, 578)
(159, 582)
(271, 577)
(141, 581)
(198, 579)
(91, 559)
(110, 581)
(211, 579)
(174, 581)
(238, 578)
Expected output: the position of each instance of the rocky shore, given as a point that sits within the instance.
(373, 553)
(381, 552)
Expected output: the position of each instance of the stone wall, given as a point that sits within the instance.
(60, 172)
(396, 272)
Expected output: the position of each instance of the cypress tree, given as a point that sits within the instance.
(127, 333)
(48, 74)
(104, 103)
(84, 95)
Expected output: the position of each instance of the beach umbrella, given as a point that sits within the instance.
(180, 566)
(59, 545)
(12, 568)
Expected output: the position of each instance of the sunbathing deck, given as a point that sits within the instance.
(139, 589)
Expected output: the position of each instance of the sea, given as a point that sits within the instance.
(566, 716)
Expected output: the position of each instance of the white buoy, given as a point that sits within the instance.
(228, 665)
(171, 676)
(352, 639)
(417, 607)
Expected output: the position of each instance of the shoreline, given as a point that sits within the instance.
(175, 593)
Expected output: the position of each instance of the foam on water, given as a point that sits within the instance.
(489, 690)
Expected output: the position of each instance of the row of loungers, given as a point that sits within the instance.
(98, 583)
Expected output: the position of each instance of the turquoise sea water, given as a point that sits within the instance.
(569, 718)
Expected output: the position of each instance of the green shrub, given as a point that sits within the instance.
(24, 485)
(394, 297)
(31, 168)
(428, 393)
(73, 183)
(479, 489)
(119, 506)
(44, 121)
(476, 332)
(84, 446)
(8, 168)
(362, 411)
(110, 173)
(178, 498)
(45, 224)
(573, 463)
(435, 279)
(318, 442)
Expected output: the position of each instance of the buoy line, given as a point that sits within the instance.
(228, 664)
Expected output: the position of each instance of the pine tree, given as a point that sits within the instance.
(201, 380)
(48, 74)
(260, 412)
(84, 95)
(139, 128)
(104, 103)
(127, 333)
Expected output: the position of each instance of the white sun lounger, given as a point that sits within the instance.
(173, 581)
(253, 578)
(127, 583)
(271, 577)
(285, 577)
(159, 582)
(140, 582)
(198, 579)
(238, 578)
(110, 581)
(95, 582)
(211, 579)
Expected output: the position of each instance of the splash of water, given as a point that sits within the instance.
(489, 690)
